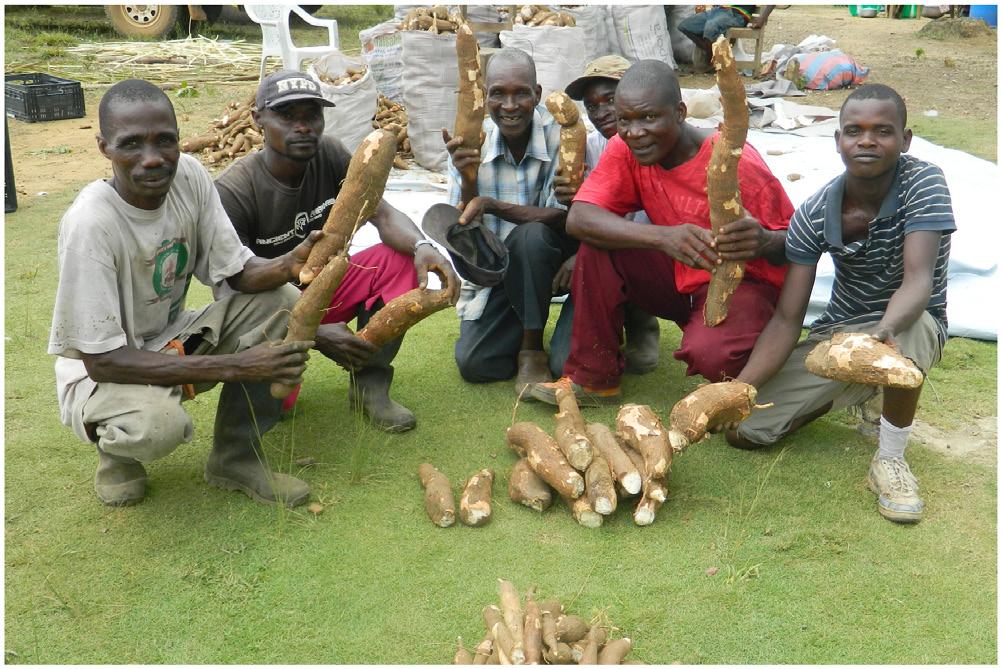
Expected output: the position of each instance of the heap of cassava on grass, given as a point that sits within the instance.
(231, 135)
(722, 187)
(860, 358)
(541, 633)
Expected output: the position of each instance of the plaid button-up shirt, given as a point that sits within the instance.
(528, 183)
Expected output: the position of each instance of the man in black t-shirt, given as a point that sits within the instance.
(277, 196)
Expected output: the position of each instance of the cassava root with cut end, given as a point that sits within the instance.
(615, 650)
(533, 631)
(462, 655)
(605, 443)
(403, 312)
(511, 611)
(526, 488)
(438, 500)
(707, 408)
(475, 502)
(483, 650)
(655, 492)
(583, 513)
(542, 454)
(470, 106)
(571, 437)
(573, 137)
(853, 357)
(640, 427)
(599, 487)
(722, 186)
(360, 195)
(310, 308)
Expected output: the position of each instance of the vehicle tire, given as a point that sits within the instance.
(148, 21)
(311, 9)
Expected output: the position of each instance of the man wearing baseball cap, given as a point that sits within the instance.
(596, 88)
(277, 196)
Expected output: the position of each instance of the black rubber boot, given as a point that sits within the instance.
(369, 387)
(119, 481)
(237, 462)
(643, 339)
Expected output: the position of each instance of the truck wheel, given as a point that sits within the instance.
(149, 21)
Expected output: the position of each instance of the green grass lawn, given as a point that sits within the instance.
(808, 571)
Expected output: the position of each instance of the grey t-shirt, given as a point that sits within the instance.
(272, 218)
(124, 272)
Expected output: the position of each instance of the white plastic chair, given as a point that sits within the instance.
(276, 38)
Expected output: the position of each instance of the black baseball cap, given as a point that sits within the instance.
(288, 86)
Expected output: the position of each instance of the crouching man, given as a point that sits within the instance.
(129, 352)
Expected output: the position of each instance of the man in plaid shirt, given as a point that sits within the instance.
(501, 329)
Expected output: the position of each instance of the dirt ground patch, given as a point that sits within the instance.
(976, 442)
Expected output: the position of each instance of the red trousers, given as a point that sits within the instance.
(606, 280)
(377, 273)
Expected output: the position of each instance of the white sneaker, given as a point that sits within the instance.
(896, 489)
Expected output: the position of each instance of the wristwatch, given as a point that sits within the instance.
(422, 242)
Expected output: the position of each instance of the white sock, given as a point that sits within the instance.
(893, 440)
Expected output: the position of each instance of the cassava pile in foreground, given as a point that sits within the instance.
(589, 466)
(231, 135)
(860, 358)
(540, 633)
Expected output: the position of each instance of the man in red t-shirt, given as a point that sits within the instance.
(658, 163)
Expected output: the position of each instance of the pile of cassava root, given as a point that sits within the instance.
(231, 135)
(540, 633)
(542, 15)
(351, 75)
(392, 116)
(436, 19)
(591, 467)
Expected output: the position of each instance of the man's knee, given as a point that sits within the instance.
(713, 360)
(531, 240)
(148, 433)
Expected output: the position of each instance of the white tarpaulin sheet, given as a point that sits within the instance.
(973, 182)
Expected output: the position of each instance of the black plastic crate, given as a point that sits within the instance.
(42, 97)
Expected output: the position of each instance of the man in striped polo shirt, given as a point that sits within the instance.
(886, 222)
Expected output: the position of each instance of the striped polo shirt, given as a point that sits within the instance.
(869, 271)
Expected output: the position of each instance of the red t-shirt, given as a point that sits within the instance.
(678, 196)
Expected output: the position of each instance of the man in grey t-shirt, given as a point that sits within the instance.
(129, 351)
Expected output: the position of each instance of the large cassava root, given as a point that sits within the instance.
(861, 358)
(573, 137)
(572, 438)
(722, 188)
(357, 202)
(640, 427)
(310, 308)
(541, 452)
(605, 443)
(470, 106)
(438, 500)
(707, 408)
(541, 633)
(401, 313)
(526, 488)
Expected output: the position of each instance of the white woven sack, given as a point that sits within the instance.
(642, 32)
(681, 46)
(592, 19)
(430, 83)
(383, 54)
(350, 120)
(556, 51)
(484, 14)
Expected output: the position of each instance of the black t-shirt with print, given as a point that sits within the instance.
(270, 218)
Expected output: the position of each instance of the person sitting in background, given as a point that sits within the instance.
(501, 328)
(886, 221)
(703, 28)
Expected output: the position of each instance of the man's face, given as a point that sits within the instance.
(512, 99)
(599, 100)
(141, 141)
(648, 124)
(871, 137)
(293, 129)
